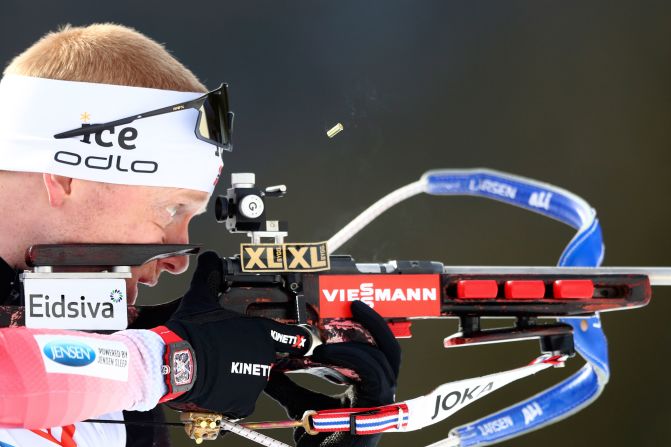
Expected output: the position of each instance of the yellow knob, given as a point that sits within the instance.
(199, 440)
(203, 424)
(213, 424)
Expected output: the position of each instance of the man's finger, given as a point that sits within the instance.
(377, 380)
(380, 331)
(205, 286)
(296, 399)
(209, 273)
(367, 361)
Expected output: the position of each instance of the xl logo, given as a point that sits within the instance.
(294, 257)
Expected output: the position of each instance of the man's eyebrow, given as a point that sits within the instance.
(191, 194)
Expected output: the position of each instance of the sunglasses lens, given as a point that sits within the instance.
(213, 122)
(203, 125)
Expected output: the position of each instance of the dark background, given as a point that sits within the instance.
(575, 93)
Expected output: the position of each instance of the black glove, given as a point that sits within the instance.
(233, 353)
(377, 368)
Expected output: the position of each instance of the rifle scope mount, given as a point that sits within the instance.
(243, 209)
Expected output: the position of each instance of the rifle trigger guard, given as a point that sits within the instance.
(315, 340)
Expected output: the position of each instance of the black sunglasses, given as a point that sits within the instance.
(214, 125)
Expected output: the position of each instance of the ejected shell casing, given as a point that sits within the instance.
(333, 131)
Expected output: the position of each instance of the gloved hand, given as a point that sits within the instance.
(234, 353)
(377, 368)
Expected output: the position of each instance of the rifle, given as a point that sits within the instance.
(307, 284)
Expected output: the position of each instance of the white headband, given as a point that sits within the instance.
(157, 151)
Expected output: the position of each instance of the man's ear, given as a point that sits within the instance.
(58, 188)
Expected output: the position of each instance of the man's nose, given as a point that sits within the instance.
(175, 264)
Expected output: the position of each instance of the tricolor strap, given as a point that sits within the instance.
(362, 421)
(417, 413)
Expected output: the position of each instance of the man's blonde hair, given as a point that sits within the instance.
(104, 53)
